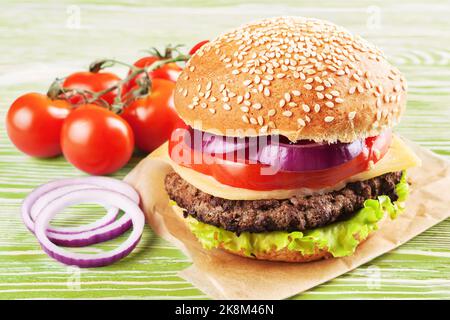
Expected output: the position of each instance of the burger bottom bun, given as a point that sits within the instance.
(285, 255)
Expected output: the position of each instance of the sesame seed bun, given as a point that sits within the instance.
(299, 77)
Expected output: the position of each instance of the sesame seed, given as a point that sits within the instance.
(247, 82)
(245, 118)
(257, 106)
(328, 119)
(296, 93)
(316, 108)
(225, 99)
(306, 108)
(320, 88)
(339, 100)
(240, 99)
(271, 112)
(226, 106)
(320, 95)
(264, 129)
(185, 92)
(329, 104)
(209, 85)
(352, 90)
(351, 115)
(245, 109)
(380, 89)
(282, 103)
(267, 92)
(301, 122)
(260, 120)
(287, 113)
(287, 96)
(213, 111)
(253, 120)
(307, 86)
(379, 103)
(335, 93)
(281, 75)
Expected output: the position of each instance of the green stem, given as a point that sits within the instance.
(136, 72)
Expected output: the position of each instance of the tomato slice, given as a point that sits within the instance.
(242, 174)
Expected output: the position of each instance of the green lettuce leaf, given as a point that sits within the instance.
(340, 238)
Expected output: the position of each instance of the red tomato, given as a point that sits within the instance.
(94, 82)
(96, 140)
(153, 118)
(169, 71)
(34, 124)
(197, 46)
(248, 176)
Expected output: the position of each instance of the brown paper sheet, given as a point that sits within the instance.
(224, 276)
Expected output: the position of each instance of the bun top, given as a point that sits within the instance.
(299, 77)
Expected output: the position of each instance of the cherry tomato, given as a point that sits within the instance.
(197, 46)
(96, 140)
(153, 118)
(94, 82)
(34, 122)
(169, 71)
(241, 174)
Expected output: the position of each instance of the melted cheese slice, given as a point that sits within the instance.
(399, 157)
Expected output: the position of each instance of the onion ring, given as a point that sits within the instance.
(101, 230)
(94, 195)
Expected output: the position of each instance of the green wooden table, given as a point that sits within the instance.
(45, 39)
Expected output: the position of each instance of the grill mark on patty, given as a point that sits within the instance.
(298, 213)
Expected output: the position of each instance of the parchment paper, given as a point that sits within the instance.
(224, 276)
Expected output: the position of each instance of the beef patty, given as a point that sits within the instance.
(297, 213)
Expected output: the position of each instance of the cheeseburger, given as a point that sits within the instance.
(289, 153)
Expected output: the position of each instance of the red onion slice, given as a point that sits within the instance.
(101, 230)
(99, 196)
(215, 144)
(306, 157)
(276, 151)
(105, 182)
